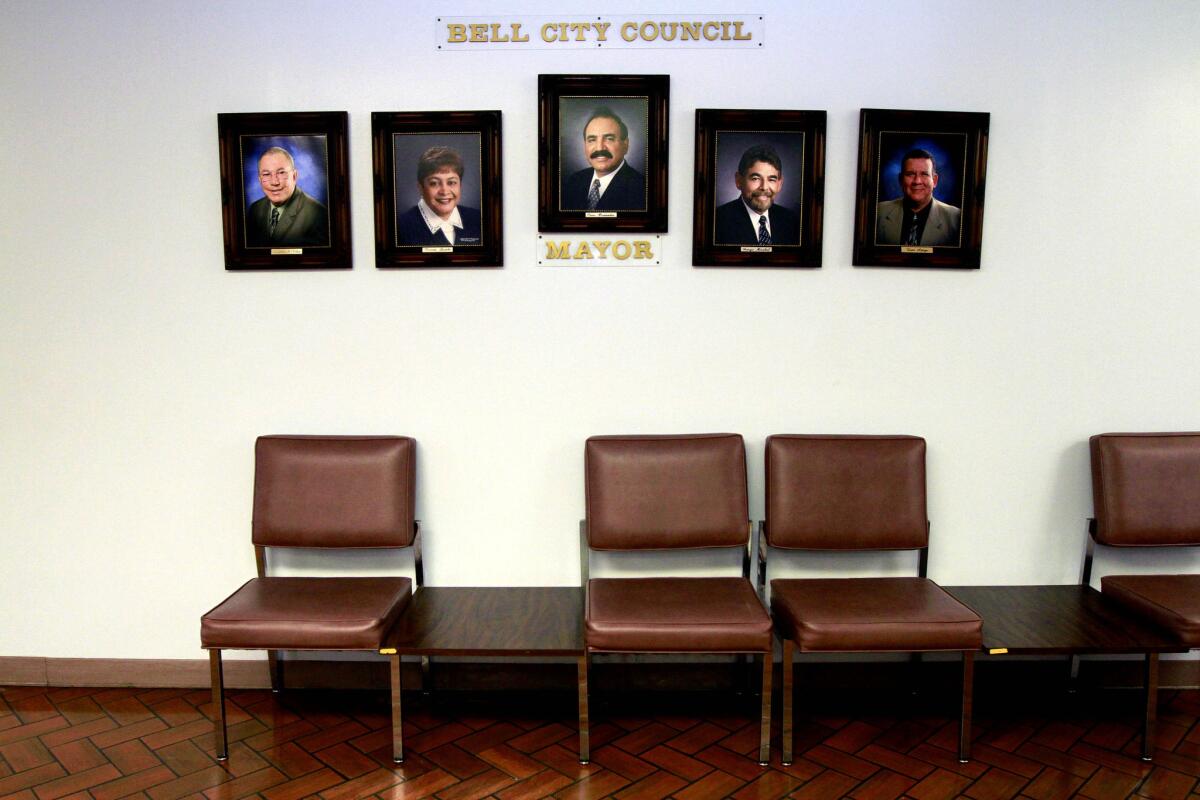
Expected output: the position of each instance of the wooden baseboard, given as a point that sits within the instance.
(534, 676)
(139, 672)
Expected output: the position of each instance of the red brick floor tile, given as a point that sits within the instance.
(542, 784)
(883, 785)
(512, 762)
(716, 784)
(940, 785)
(600, 784)
(1109, 784)
(423, 786)
(828, 784)
(996, 784)
(69, 784)
(652, 787)
(1053, 784)
(132, 783)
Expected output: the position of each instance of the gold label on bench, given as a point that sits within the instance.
(997, 651)
(387, 651)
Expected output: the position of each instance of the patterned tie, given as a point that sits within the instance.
(764, 236)
(594, 194)
(914, 233)
(274, 219)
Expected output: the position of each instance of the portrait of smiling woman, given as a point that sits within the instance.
(437, 189)
(439, 218)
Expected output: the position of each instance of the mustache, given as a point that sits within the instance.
(599, 153)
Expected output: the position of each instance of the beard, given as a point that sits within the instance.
(761, 201)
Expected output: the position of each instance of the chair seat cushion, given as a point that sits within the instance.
(1169, 601)
(675, 615)
(307, 614)
(872, 615)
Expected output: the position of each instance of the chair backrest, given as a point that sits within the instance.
(1146, 489)
(666, 492)
(846, 492)
(334, 491)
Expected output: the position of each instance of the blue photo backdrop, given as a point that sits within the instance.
(312, 164)
(949, 154)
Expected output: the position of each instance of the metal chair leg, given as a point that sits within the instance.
(426, 675)
(764, 733)
(915, 662)
(275, 665)
(968, 693)
(397, 717)
(786, 691)
(1151, 683)
(585, 754)
(217, 677)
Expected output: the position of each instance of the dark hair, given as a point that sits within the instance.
(919, 153)
(438, 158)
(760, 152)
(604, 112)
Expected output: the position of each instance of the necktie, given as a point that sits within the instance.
(914, 233)
(764, 236)
(594, 194)
(274, 219)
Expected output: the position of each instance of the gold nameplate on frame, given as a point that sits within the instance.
(600, 214)
(758, 249)
(437, 249)
(287, 251)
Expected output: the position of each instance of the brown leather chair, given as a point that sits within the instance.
(1146, 493)
(666, 493)
(320, 492)
(857, 493)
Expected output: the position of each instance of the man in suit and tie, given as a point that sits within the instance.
(754, 218)
(286, 216)
(917, 217)
(610, 184)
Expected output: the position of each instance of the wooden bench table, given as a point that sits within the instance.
(492, 621)
(1068, 620)
(534, 621)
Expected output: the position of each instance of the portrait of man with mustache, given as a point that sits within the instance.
(754, 218)
(610, 183)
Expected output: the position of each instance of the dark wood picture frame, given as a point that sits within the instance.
(564, 104)
(958, 141)
(719, 237)
(398, 138)
(313, 230)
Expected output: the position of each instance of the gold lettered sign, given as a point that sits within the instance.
(593, 250)
(593, 32)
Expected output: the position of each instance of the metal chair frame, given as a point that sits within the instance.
(761, 547)
(764, 747)
(276, 664)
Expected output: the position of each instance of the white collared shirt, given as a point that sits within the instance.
(436, 223)
(605, 180)
(754, 215)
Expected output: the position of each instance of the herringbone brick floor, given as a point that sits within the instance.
(106, 744)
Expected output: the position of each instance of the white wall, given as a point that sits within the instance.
(135, 371)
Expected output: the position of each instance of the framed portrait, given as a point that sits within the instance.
(921, 177)
(437, 189)
(285, 193)
(760, 187)
(602, 152)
